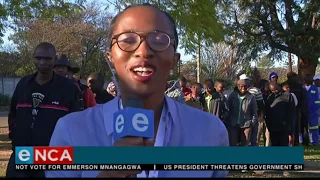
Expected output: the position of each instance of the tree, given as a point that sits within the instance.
(265, 63)
(264, 28)
(196, 20)
(44, 9)
(82, 36)
(219, 61)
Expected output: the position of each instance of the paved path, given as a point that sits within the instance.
(3, 119)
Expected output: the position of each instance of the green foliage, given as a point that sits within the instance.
(261, 26)
(4, 99)
(197, 21)
(39, 9)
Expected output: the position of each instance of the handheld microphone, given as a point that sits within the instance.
(133, 120)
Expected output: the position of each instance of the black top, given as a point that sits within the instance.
(35, 109)
(103, 97)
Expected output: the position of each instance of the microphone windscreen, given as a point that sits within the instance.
(133, 102)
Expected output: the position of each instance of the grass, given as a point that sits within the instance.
(273, 175)
(312, 153)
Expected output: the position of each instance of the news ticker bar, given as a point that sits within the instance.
(169, 167)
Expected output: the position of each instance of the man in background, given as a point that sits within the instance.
(314, 106)
(38, 102)
(183, 86)
(195, 98)
(279, 115)
(63, 67)
(317, 83)
(302, 111)
(216, 102)
(95, 83)
(273, 77)
(256, 92)
(242, 114)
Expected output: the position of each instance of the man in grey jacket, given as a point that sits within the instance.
(242, 114)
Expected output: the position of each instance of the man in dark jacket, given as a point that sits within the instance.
(302, 111)
(38, 101)
(215, 102)
(243, 114)
(280, 111)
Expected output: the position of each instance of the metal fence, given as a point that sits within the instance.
(8, 85)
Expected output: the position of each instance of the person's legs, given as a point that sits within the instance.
(297, 127)
(11, 169)
(245, 136)
(268, 139)
(254, 135)
(261, 132)
(233, 135)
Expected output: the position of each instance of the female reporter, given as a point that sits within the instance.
(143, 48)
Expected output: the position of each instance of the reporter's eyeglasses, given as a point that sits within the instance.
(130, 41)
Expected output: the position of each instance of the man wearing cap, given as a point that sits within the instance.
(273, 77)
(242, 114)
(63, 67)
(256, 92)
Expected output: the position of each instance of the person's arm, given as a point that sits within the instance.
(254, 110)
(75, 104)
(89, 98)
(12, 113)
(223, 141)
(291, 113)
(317, 100)
(61, 137)
(225, 108)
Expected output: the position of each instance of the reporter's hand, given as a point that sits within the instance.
(127, 141)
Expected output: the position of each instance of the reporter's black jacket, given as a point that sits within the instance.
(35, 110)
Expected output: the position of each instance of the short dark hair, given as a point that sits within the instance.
(285, 84)
(196, 84)
(97, 76)
(46, 45)
(291, 75)
(208, 82)
(219, 81)
(183, 79)
(174, 27)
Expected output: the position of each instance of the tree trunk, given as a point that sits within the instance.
(307, 66)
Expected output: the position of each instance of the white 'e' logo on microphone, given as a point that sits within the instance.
(119, 123)
(140, 119)
(140, 122)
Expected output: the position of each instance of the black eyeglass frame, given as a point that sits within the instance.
(143, 37)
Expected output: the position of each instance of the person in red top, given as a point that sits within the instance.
(63, 68)
(89, 99)
(183, 86)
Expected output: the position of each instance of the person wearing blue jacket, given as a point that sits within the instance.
(143, 48)
(314, 105)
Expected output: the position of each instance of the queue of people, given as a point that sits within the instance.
(42, 98)
(276, 114)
